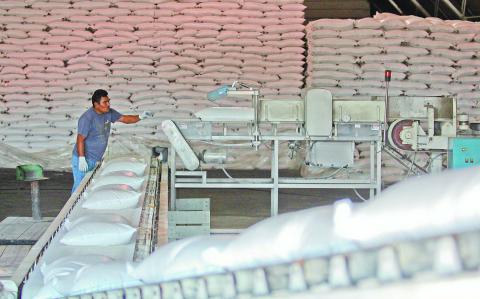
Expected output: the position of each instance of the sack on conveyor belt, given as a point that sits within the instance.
(111, 198)
(89, 278)
(419, 207)
(65, 266)
(98, 234)
(101, 217)
(134, 165)
(188, 257)
(284, 238)
(121, 177)
(8, 289)
(59, 275)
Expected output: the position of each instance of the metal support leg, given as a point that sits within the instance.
(35, 191)
(379, 166)
(274, 174)
(173, 168)
(372, 167)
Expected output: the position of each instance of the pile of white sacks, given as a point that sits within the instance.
(162, 56)
(98, 235)
(444, 203)
(427, 57)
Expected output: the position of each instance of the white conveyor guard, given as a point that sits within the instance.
(176, 139)
(226, 114)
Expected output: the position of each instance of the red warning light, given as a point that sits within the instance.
(388, 75)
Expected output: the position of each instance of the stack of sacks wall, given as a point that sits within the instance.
(427, 56)
(162, 56)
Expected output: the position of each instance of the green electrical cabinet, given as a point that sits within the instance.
(463, 152)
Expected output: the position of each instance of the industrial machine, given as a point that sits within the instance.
(429, 125)
(422, 123)
(328, 129)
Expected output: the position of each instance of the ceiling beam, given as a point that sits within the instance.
(454, 9)
(394, 4)
(420, 7)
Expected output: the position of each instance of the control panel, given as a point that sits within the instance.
(463, 152)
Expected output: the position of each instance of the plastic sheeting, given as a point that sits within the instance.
(59, 158)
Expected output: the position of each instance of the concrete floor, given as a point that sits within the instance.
(229, 208)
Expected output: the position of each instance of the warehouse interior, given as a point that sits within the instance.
(282, 149)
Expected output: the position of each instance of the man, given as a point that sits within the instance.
(93, 132)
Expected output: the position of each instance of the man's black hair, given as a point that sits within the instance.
(97, 95)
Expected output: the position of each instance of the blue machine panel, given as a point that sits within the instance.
(463, 152)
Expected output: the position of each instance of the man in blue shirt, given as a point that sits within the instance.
(93, 132)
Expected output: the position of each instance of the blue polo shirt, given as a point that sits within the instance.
(96, 130)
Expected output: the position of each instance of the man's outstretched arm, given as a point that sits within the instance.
(131, 119)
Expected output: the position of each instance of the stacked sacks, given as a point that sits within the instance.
(427, 57)
(161, 56)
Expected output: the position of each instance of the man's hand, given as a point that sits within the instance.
(146, 114)
(82, 164)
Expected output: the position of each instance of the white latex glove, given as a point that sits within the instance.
(82, 164)
(146, 114)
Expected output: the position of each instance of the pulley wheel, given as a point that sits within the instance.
(394, 132)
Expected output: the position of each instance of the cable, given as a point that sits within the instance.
(227, 174)
(427, 164)
(297, 194)
(333, 173)
(284, 193)
(358, 194)
(412, 163)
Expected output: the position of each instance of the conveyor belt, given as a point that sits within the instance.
(146, 237)
(145, 240)
(429, 268)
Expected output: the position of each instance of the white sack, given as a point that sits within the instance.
(112, 275)
(65, 266)
(415, 208)
(122, 177)
(132, 165)
(98, 234)
(111, 197)
(333, 24)
(284, 238)
(106, 218)
(192, 256)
